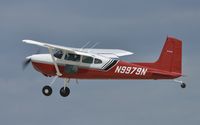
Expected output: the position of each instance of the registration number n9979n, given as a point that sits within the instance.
(131, 70)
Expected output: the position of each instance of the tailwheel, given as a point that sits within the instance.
(64, 91)
(47, 90)
(183, 85)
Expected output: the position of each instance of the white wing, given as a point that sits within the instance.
(111, 53)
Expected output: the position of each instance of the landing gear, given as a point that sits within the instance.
(47, 90)
(183, 85)
(64, 92)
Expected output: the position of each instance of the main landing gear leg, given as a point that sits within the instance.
(183, 85)
(65, 91)
(47, 90)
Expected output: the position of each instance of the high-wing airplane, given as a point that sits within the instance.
(86, 63)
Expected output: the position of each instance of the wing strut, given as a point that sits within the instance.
(54, 62)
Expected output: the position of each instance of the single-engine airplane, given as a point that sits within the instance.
(88, 63)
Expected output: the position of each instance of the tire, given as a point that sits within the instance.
(47, 90)
(183, 85)
(64, 92)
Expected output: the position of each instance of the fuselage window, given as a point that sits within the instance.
(58, 54)
(97, 61)
(72, 57)
(87, 59)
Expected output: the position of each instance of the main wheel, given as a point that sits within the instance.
(47, 90)
(183, 85)
(64, 92)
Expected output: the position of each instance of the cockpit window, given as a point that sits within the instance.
(97, 61)
(72, 57)
(87, 59)
(58, 54)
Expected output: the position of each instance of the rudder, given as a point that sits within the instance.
(171, 56)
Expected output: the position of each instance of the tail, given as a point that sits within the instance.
(171, 56)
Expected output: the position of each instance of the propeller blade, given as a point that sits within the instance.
(26, 63)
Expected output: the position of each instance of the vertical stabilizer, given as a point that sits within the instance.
(171, 56)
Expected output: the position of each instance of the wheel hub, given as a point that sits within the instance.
(46, 91)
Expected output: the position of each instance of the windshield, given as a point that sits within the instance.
(58, 54)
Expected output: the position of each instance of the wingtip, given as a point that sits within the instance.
(131, 53)
(25, 40)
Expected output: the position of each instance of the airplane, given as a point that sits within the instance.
(88, 63)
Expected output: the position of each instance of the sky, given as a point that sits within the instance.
(135, 25)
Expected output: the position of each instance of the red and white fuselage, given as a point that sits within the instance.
(79, 63)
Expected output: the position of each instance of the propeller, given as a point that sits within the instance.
(27, 61)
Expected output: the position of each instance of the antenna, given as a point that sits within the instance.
(85, 45)
(94, 45)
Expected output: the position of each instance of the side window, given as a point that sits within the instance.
(87, 59)
(97, 61)
(58, 54)
(72, 57)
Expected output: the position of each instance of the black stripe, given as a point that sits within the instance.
(106, 63)
(111, 65)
